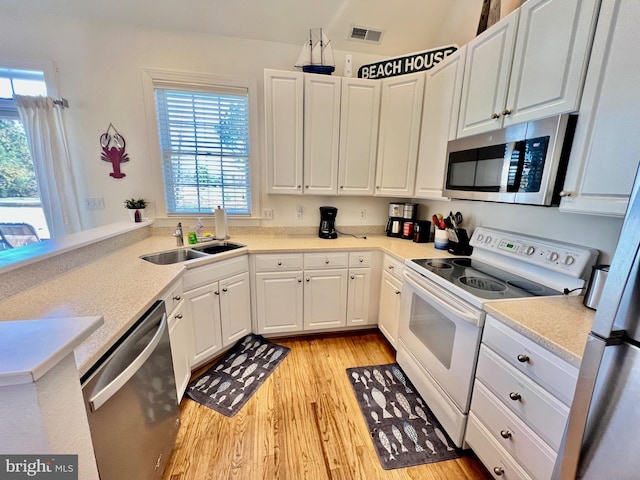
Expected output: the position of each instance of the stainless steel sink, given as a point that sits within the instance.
(218, 247)
(200, 251)
(173, 256)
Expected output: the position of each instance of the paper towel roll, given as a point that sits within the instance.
(222, 230)
(348, 64)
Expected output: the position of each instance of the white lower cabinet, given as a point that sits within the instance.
(314, 291)
(217, 302)
(521, 399)
(180, 335)
(390, 298)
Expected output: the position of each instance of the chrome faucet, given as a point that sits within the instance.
(178, 235)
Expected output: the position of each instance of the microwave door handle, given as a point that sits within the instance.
(116, 384)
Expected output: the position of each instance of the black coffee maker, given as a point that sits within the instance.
(328, 222)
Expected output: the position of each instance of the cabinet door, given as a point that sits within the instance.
(359, 297)
(359, 117)
(550, 58)
(283, 95)
(443, 88)
(321, 134)
(604, 156)
(180, 336)
(389, 315)
(325, 299)
(400, 115)
(235, 308)
(203, 309)
(486, 77)
(279, 302)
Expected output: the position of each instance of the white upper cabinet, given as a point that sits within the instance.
(606, 146)
(399, 134)
(486, 77)
(530, 65)
(443, 88)
(550, 59)
(321, 133)
(359, 117)
(284, 94)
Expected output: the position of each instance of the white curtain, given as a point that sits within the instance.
(45, 134)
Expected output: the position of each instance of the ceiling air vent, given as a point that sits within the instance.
(365, 34)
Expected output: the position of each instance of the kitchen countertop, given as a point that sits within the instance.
(120, 287)
(560, 324)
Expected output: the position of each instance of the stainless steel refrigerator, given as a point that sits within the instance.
(602, 438)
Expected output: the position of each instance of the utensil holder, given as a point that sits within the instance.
(441, 239)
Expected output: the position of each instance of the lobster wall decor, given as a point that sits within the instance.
(113, 150)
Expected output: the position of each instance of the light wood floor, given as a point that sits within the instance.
(302, 423)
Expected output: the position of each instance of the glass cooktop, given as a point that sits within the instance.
(481, 279)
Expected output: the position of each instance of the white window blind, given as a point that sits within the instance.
(204, 140)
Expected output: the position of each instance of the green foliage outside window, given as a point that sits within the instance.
(17, 178)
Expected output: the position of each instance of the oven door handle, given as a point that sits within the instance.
(445, 301)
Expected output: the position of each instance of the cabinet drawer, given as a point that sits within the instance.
(173, 296)
(499, 463)
(521, 442)
(360, 259)
(393, 266)
(552, 372)
(213, 272)
(326, 260)
(278, 262)
(545, 414)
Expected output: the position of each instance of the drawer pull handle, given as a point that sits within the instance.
(523, 358)
(177, 298)
(515, 396)
(178, 316)
(279, 263)
(498, 470)
(505, 433)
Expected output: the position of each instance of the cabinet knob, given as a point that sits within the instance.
(279, 263)
(398, 292)
(308, 279)
(515, 396)
(353, 277)
(326, 261)
(498, 471)
(341, 186)
(177, 298)
(507, 112)
(217, 292)
(565, 193)
(378, 187)
(390, 267)
(225, 289)
(495, 115)
(299, 186)
(523, 358)
(361, 260)
(505, 433)
(299, 280)
(178, 316)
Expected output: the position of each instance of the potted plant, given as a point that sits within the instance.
(136, 208)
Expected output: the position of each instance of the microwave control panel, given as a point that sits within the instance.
(562, 257)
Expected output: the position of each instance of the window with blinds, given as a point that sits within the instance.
(204, 140)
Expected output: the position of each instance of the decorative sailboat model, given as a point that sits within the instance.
(316, 55)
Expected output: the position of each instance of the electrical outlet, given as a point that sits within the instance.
(299, 212)
(94, 203)
(363, 214)
(267, 213)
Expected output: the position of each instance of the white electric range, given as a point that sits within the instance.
(442, 312)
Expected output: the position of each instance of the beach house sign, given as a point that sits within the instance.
(415, 62)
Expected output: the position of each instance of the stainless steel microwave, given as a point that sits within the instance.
(524, 163)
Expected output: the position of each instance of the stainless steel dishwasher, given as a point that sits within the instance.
(130, 397)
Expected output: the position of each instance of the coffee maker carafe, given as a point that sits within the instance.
(396, 220)
(328, 222)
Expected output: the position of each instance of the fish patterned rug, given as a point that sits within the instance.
(403, 429)
(228, 384)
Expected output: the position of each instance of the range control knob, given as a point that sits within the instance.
(480, 237)
(569, 260)
(530, 250)
(553, 256)
(488, 239)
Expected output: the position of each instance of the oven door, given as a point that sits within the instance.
(443, 332)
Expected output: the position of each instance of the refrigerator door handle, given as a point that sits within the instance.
(116, 384)
(566, 466)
